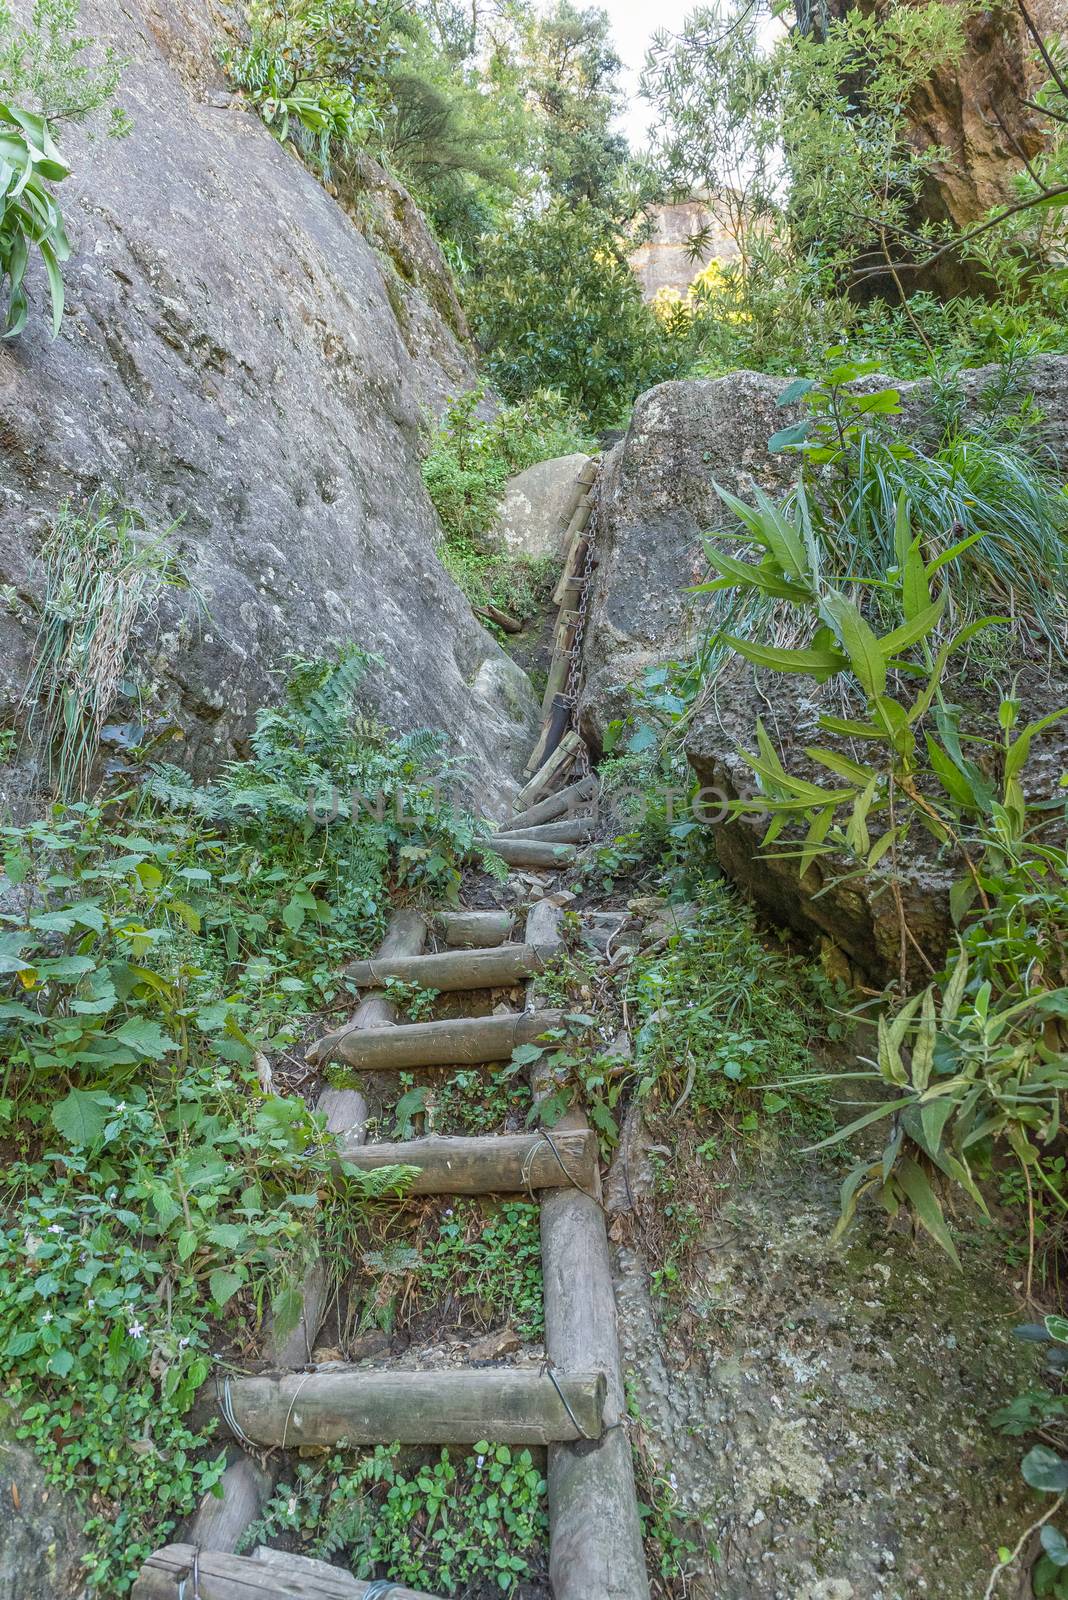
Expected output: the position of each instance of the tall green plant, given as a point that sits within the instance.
(103, 579)
(30, 219)
(987, 1059)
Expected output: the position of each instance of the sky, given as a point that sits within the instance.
(633, 24)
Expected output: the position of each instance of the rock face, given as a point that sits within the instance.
(41, 1542)
(664, 261)
(656, 501)
(975, 110)
(239, 361)
(533, 515)
(834, 1433)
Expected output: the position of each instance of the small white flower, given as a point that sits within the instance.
(448, 1211)
(55, 1227)
(121, 1107)
(673, 1481)
(182, 1343)
(136, 1329)
(479, 1461)
(47, 1317)
(90, 1303)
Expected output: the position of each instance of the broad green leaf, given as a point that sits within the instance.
(949, 775)
(224, 1285)
(925, 1206)
(1020, 748)
(146, 1037)
(920, 625)
(1044, 1469)
(80, 1116)
(858, 641)
(818, 664)
(851, 770)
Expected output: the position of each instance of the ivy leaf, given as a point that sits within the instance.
(146, 1037)
(224, 1285)
(1055, 1545)
(1044, 1469)
(80, 1116)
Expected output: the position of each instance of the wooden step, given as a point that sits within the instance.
(451, 970)
(221, 1519)
(507, 1405)
(345, 1111)
(457, 1042)
(495, 1164)
(595, 1545)
(576, 795)
(523, 852)
(474, 929)
(169, 1575)
(577, 831)
(547, 774)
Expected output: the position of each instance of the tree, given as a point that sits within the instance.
(557, 307)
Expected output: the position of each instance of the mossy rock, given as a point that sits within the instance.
(835, 1434)
(41, 1539)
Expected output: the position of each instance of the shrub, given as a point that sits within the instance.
(465, 470)
(155, 951)
(557, 306)
(315, 70)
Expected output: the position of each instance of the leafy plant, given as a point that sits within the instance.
(55, 71)
(316, 64)
(987, 1060)
(450, 1526)
(29, 216)
(465, 470)
(104, 579)
(493, 1263)
(985, 490)
(1044, 1467)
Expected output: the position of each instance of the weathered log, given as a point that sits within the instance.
(495, 1164)
(503, 619)
(346, 1113)
(311, 1567)
(552, 731)
(469, 930)
(455, 1042)
(169, 1575)
(509, 1405)
(554, 768)
(555, 681)
(576, 831)
(564, 802)
(450, 970)
(595, 1545)
(531, 852)
(588, 476)
(220, 1519)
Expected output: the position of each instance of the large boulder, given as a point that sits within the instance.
(825, 1413)
(237, 360)
(657, 501)
(41, 1539)
(536, 506)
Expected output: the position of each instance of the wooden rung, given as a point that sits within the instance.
(546, 775)
(495, 1164)
(582, 793)
(169, 1575)
(474, 929)
(455, 1042)
(450, 970)
(575, 831)
(532, 852)
(555, 683)
(506, 1405)
(220, 1520)
(589, 473)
